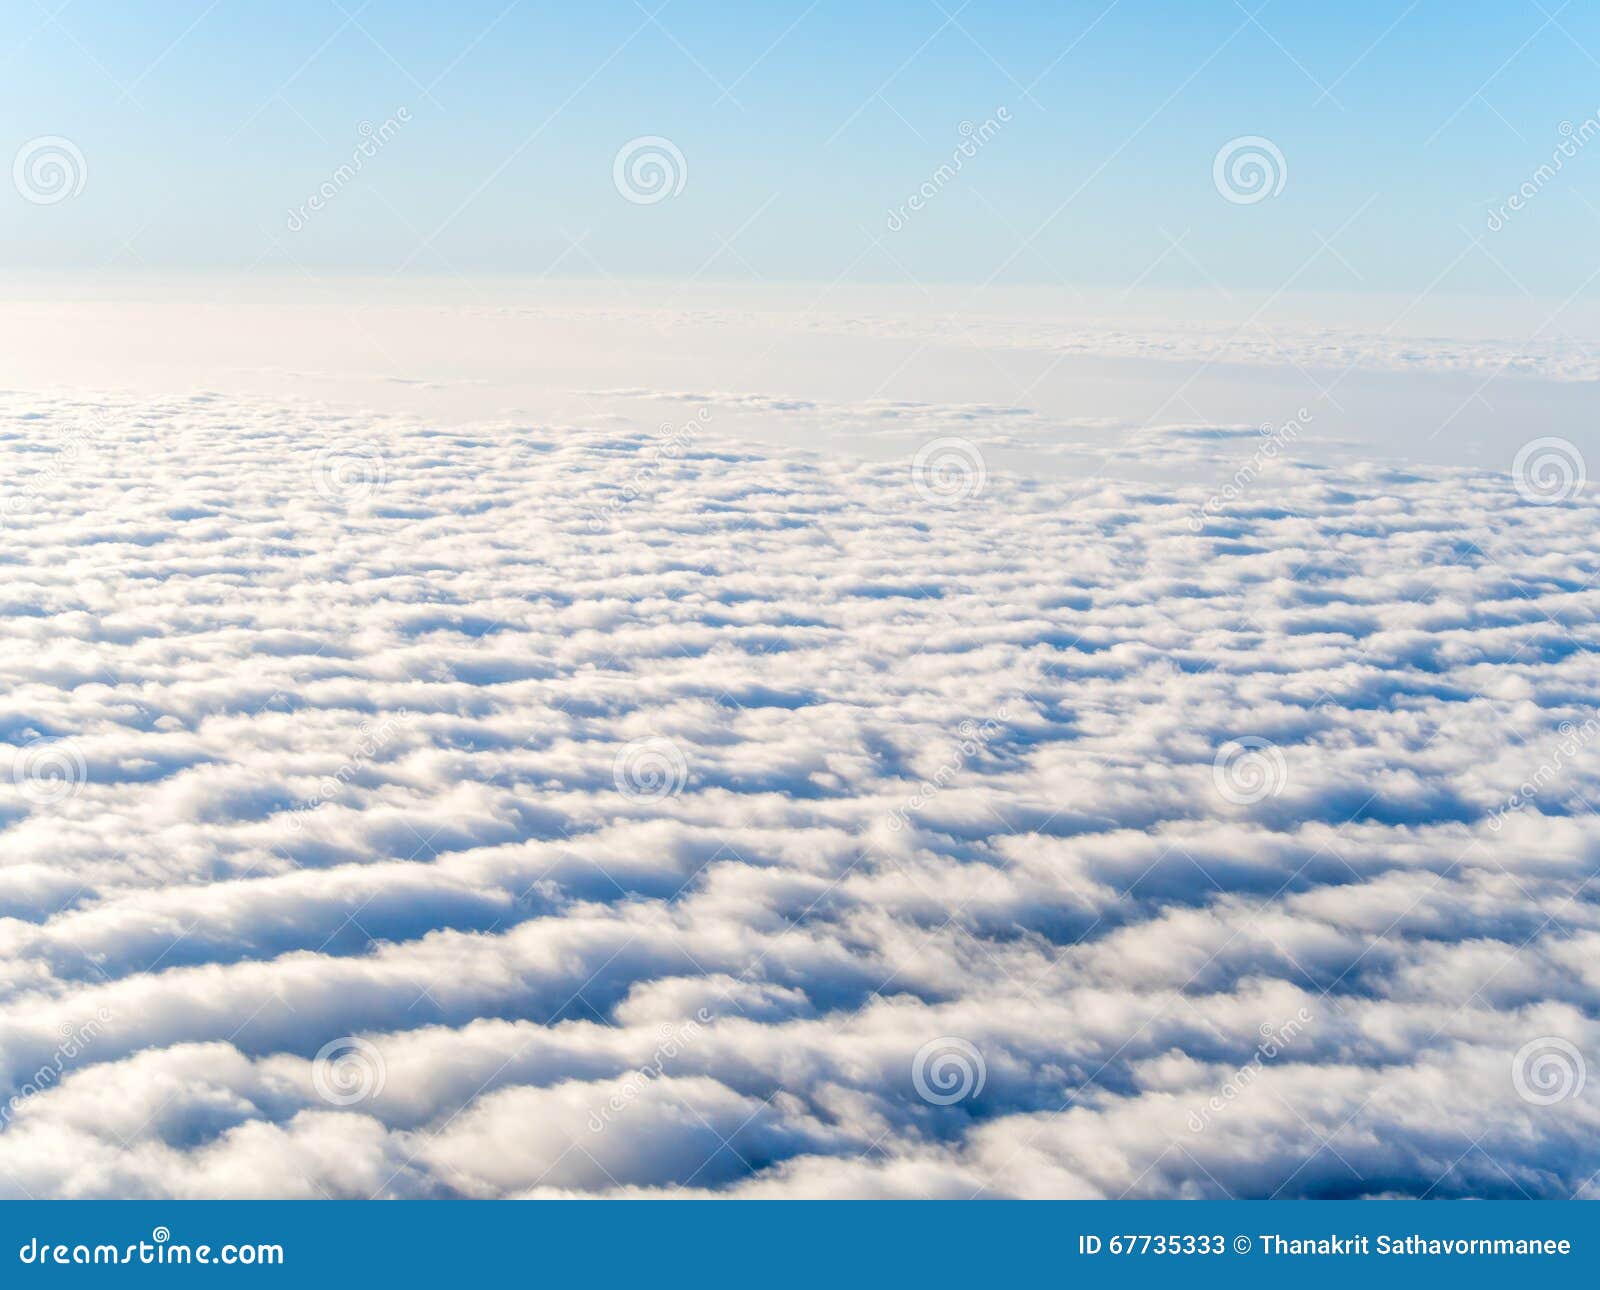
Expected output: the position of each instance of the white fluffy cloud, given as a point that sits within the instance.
(543, 810)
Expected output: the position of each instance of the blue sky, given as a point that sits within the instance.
(802, 125)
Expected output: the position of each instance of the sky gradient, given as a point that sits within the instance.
(1402, 127)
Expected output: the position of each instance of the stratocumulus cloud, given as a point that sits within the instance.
(537, 810)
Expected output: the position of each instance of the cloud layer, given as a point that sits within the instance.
(547, 810)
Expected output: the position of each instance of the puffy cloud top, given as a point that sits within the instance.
(549, 810)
